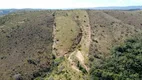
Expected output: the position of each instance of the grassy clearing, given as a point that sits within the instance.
(66, 30)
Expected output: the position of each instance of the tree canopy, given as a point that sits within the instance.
(125, 62)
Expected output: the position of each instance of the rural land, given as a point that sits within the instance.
(76, 44)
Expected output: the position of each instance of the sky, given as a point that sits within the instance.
(59, 4)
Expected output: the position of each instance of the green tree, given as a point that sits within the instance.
(124, 64)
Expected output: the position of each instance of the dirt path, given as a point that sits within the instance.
(81, 60)
(72, 63)
(80, 57)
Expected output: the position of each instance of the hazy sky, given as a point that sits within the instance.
(54, 4)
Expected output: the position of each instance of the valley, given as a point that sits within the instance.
(61, 44)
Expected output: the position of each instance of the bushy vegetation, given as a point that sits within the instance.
(63, 71)
(124, 64)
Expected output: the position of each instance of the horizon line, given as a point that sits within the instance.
(75, 7)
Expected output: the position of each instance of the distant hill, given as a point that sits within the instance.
(6, 11)
(119, 8)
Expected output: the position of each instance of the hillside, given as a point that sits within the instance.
(25, 43)
(59, 45)
(108, 31)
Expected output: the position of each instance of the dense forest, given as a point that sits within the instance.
(125, 62)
